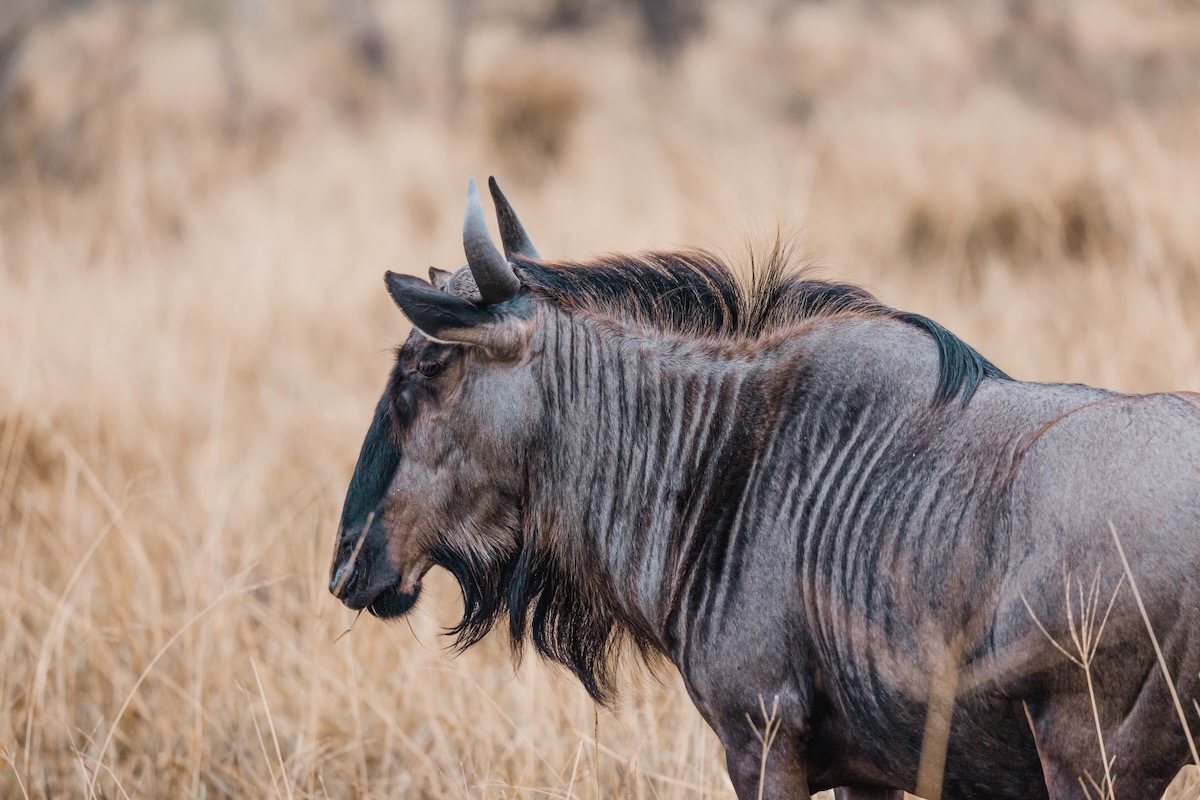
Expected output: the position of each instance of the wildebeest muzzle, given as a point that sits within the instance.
(363, 577)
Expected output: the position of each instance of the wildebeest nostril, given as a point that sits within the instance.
(345, 559)
(342, 575)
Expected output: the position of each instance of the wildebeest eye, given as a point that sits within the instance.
(430, 369)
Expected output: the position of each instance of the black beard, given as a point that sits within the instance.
(393, 603)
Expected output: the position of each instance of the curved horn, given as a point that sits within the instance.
(512, 233)
(495, 278)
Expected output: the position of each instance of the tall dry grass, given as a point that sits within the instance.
(198, 199)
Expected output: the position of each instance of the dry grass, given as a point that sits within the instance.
(197, 203)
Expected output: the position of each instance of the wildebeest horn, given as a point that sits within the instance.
(493, 275)
(512, 233)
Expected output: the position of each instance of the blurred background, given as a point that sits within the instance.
(198, 199)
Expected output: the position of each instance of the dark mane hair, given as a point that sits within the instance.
(694, 292)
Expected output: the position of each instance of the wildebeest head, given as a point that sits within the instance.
(439, 478)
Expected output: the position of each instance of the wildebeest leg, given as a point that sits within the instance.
(781, 773)
(1067, 747)
(1146, 749)
(861, 793)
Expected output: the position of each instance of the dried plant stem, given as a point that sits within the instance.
(1085, 631)
(766, 736)
(287, 785)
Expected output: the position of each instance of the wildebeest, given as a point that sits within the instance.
(809, 502)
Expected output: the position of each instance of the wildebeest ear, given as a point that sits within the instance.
(449, 318)
(439, 277)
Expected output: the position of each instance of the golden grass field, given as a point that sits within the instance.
(198, 200)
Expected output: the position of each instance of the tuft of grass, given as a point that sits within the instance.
(1085, 625)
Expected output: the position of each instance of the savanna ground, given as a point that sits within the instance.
(198, 200)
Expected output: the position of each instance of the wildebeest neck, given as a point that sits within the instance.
(649, 442)
(665, 457)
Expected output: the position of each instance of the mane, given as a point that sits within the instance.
(693, 292)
